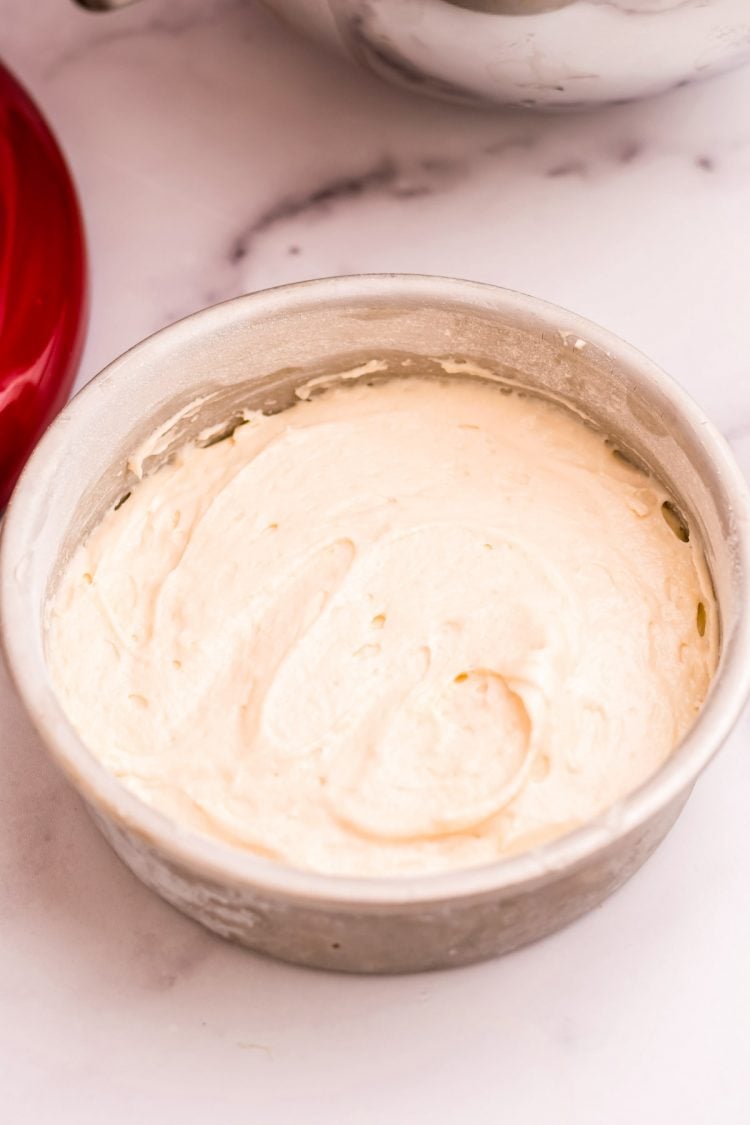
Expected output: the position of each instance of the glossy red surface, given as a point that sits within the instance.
(42, 279)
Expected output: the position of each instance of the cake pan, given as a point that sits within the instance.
(253, 352)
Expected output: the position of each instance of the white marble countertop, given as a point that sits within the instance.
(217, 153)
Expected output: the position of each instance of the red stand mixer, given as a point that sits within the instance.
(42, 279)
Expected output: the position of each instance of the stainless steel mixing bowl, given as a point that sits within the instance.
(536, 53)
(253, 352)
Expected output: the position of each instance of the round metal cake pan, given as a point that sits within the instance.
(253, 352)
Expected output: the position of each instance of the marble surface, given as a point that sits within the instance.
(217, 153)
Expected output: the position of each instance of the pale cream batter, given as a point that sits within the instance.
(395, 629)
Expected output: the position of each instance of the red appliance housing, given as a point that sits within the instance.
(43, 286)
